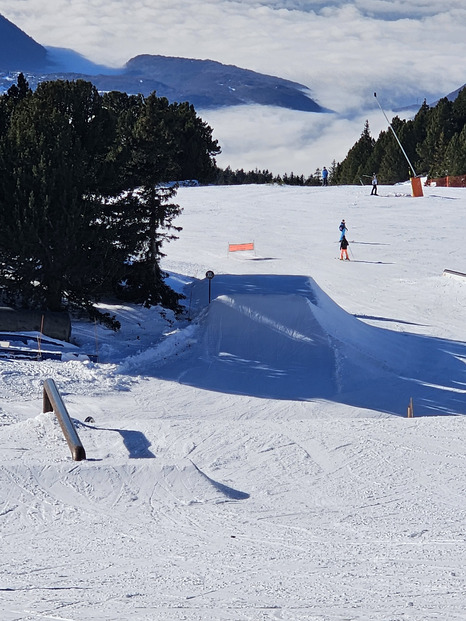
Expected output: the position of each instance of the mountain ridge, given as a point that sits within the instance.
(19, 51)
(204, 83)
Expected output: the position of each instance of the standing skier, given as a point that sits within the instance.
(343, 229)
(344, 248)
(324, 176)
(374, 184)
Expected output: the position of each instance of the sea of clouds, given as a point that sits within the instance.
(342, 51)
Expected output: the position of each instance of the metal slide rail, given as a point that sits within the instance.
(52, 402)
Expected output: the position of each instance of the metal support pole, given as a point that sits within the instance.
(396, 137)
(209, 275)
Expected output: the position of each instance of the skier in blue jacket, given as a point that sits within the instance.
(343, 229)
(324, 176)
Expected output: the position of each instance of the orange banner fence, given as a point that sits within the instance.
(448, 182)
(236, 247)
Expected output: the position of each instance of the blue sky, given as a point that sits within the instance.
(342, 51)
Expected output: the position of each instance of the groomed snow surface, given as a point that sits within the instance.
(254, 460)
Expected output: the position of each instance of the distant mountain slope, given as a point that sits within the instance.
(204, 83)
(18, 51)
(210, 84)
(451, 96)
(415, 107)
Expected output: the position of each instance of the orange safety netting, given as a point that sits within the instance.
(235, 247)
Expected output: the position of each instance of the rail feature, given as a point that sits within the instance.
(52, 402)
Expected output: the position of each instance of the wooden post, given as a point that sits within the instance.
(39, 338)
(410, 408)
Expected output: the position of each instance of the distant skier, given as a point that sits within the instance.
(344, 249)
(324, 176)
(343, 229)
(374, 184)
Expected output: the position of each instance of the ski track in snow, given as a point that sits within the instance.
(255, 461)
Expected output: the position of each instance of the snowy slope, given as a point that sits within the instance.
(254, 460)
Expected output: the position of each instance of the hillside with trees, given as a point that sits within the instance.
(84, 207)
(227, 176)
(434, 141)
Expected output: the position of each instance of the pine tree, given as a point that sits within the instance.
(150, 214)
(83, 210)
(393, 166)
(355, 163)
(49, 196)
(433, 142)
(439, 120)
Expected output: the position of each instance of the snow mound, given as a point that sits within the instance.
(266, 344)
(283, 337)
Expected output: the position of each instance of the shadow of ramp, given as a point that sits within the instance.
(229, 492)
(382, 369)
(184, 483)
(135, 442)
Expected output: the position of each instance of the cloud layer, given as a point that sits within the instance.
(282, 140)
(343, 51)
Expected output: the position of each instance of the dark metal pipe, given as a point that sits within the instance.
(52, 402)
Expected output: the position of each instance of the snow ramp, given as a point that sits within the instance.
(268, 345)
(261, 335)
(282, 337)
